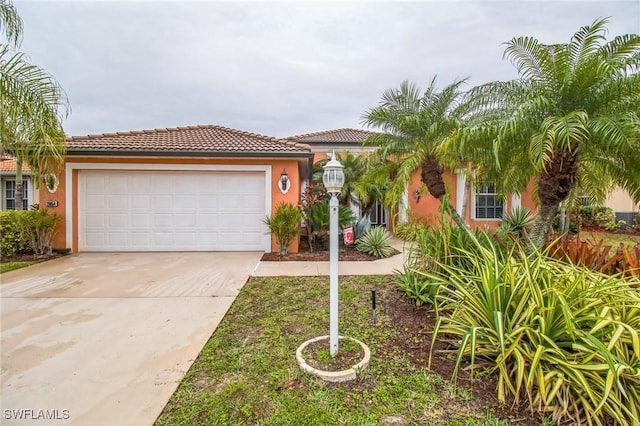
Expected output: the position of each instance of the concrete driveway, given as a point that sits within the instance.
(104, 339)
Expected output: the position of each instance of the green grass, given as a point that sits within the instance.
(610, 238)
(247, 372)
(12, 266)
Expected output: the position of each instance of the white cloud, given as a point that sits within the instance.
(277, 68)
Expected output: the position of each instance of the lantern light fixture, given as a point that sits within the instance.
(283, 182)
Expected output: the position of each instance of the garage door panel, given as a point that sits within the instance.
(170, 210)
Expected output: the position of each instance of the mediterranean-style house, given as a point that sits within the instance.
(483, 206)
(209, 188)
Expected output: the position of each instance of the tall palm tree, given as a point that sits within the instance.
(414, 126)
(33, 105)
(572, 118)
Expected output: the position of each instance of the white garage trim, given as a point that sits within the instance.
(70, 195)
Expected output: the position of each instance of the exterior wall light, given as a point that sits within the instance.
(284, 183)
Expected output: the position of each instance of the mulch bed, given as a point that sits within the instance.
(414, 327)
(410, 321)
(30, 257)
(346, 253)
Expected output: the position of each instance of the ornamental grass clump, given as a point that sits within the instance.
(560, 337)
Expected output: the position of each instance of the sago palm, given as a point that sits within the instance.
(32, 104)
(414, 125)
(571, 120)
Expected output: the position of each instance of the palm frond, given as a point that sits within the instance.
(10, 23)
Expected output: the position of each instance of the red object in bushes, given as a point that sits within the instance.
(347, 233)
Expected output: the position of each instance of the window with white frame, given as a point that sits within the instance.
(487, 203)
(10, 194)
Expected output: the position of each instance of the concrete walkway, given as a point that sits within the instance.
(303, 269)
(105, 338)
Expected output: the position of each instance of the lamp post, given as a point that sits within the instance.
(333, 180)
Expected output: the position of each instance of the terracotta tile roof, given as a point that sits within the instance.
(9, 165)
(193, 139)
(336, 136)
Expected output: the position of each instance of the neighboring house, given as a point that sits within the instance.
(340, 140)
(8, 185)
(483, 206)
(196, 188)
(623, 205)
(343, 141)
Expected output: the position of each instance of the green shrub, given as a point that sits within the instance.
(599, 216)
(518, 221)
(376, 242)
(416, 286)
(285, 225)
(445, 244)
(563, 338)
(317, 219)
(13, 239)
(40, 227)
(410, 230)
(636, 221)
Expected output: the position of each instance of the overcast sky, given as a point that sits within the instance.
(278, 69)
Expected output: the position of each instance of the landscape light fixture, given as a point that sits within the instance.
(333, 180)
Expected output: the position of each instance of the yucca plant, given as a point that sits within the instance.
(563, 338)
(285, 225)
(376, 242)
(517, 222)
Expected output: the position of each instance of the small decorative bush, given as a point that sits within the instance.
(285, 225)
(410, 230)
(318, 217)
(13, 239)
(25, 231)
(417, 287)
(517, 222)
(376, 242)
(599, 216)
(40, 226)
(576, 251)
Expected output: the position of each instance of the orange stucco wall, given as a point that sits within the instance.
(427, 208)
(277, 166)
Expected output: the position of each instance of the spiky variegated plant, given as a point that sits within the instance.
(571, 118)
(414, 125)
(32, 106)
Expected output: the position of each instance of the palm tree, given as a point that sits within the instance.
(572, 118)
(414, 126)
(31, 101)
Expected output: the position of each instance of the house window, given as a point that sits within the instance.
(488, 205)
(10, 194)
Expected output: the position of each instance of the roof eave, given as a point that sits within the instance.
(196, 154)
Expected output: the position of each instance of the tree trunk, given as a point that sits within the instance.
(18, 196)
(431, 174)
(563, 218)
(541, 226)
(454, 214)
(555, 184)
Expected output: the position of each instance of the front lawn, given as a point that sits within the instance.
(247, 372)
(610, 238)
(12, 266)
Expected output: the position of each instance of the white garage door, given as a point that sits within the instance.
(171, 210)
